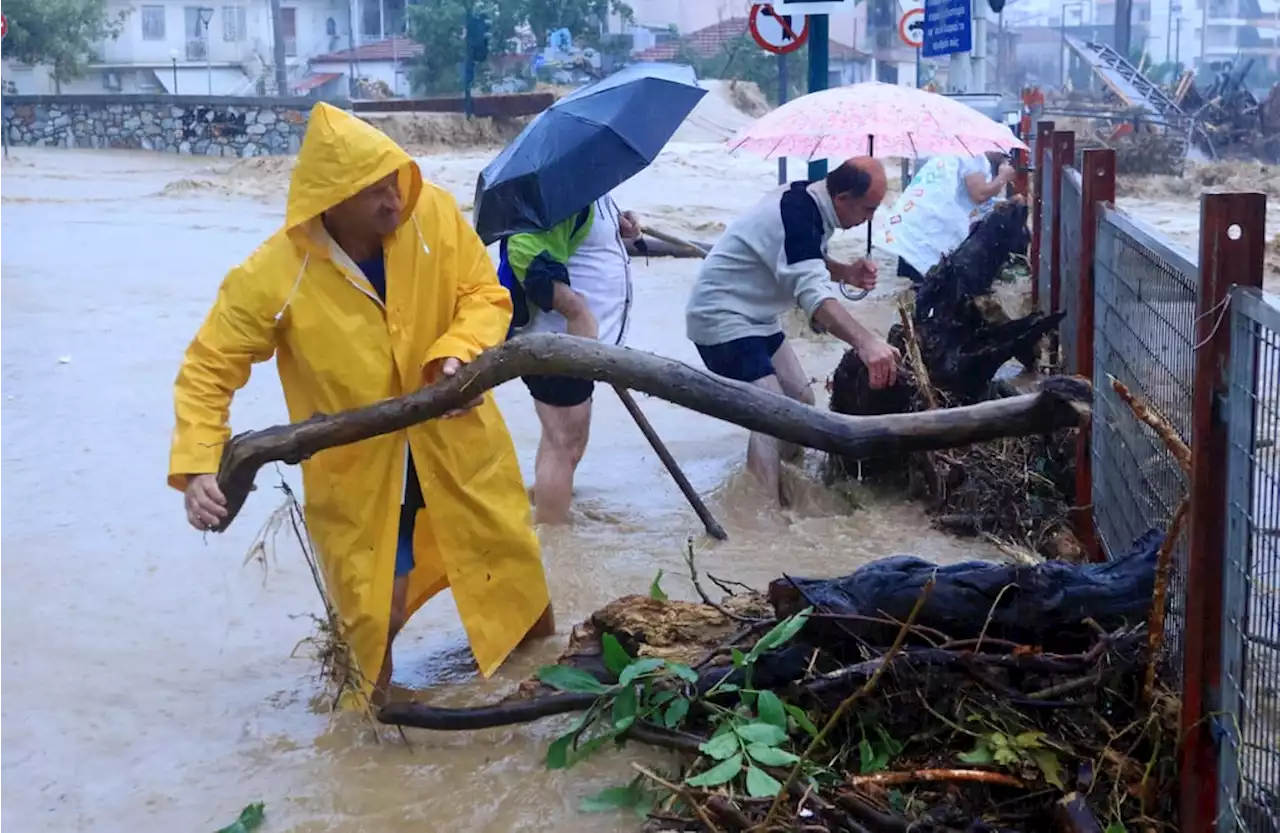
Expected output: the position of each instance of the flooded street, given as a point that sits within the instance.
(149, 681)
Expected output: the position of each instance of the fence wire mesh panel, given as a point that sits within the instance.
(1145, 296)
(1069, 204)
(1046, 233)
(1249, 771)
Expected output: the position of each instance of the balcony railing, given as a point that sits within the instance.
(197, 49)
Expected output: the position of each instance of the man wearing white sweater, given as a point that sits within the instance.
(773, 258)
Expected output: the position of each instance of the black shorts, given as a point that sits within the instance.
(559, 391)
(744, 359)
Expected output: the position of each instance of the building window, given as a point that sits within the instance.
(233, 23)
(153, 22)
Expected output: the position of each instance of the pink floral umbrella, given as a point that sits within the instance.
(873, 119)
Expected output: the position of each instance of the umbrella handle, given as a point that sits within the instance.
(852, 296)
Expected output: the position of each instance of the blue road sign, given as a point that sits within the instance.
(948, 27)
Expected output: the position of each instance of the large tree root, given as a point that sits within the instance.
(1061, 402)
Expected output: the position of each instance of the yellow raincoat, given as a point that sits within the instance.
(337, 347)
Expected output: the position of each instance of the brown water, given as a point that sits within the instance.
(148, 681)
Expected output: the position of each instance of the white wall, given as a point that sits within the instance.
(384, 71)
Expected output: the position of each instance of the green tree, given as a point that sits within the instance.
(440, 26)
(742, 60)
(61, 34)
(583, 18)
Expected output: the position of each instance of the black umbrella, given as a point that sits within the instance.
(583, 146)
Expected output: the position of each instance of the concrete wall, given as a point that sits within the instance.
(212, 126)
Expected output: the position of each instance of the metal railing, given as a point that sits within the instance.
(1249, 763)
(1069, 202)
(1145, 296)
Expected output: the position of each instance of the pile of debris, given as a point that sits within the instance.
(1231, 121)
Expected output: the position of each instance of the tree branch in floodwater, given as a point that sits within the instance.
(1062, 402)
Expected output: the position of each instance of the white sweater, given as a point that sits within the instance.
(767, 261)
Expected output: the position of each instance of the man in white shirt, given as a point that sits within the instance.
(574, 278)
(771, 259)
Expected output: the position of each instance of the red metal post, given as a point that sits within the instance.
(1064, 153)
(1098, 185)
(1044, 138)
(1232, 246)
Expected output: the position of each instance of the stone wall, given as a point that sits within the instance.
(206, 125)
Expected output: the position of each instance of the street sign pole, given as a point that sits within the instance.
(819, 40)
(782, 99)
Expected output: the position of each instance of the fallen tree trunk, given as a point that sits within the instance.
(1061, 402)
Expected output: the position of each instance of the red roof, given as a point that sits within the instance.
(312, 81)
(706, 42)
(390, 49)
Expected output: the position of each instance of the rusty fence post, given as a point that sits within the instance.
(1064, 151)
(1232, 247)
(1097, 185)
(1043, 140)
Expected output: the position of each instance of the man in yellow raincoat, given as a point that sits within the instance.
(375, 286)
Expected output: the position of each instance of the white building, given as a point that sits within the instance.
(184, 47)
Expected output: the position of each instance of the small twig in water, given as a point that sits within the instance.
(697, 585)
(982, 776)
(680, 791)
(1159, 596)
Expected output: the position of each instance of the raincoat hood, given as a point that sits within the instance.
(341, 155)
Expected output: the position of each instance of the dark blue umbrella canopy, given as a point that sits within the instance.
(582, 147)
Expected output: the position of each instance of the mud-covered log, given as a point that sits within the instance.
(1063, 404)
(1046, 604)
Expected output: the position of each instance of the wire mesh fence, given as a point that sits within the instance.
(1145, 296)
(1069, 204)
(1249, 765)
(1047, 213)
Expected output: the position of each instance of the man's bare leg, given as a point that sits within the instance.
(565, 432)
(399, 594)
(764, 453)
(795, 385)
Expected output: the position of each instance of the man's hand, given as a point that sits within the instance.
(862, 273)
(206, 506)
(629, 226)
(881, 360)
(446, 368)
(1006, 173)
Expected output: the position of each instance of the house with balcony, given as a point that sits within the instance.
(180, 47)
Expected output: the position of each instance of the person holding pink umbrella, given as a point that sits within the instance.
(769, 260)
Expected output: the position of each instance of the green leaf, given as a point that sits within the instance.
(675, 713)
(720, 747)
(558, 751)
(770, 709)
(771, 755)
(1006, 756)
(780, 634)
(891, 745)
(1115, 827)
(721, 773)
(611, 798)
(1029, 740)
(625, 708)
(728, 688)
(865, 755)
(801, 717)
(663, 697)
(570, 679)
(683, 671)
(761, 784)
(655, 589)
(616, 657)
(638, 668)
(739, 658)
(1049, 766)
(765, 733)
(251, 818)
(980, 756)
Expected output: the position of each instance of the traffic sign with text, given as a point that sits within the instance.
(948, 28)
(776, 32)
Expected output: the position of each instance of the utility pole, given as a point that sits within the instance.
(782, 99)
(277, 49)
(1123, 27)
(819, 41)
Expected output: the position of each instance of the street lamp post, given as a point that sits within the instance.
(173, 58)
(1062, 55)
(206, 17)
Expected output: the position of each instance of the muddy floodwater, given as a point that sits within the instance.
(151, 680)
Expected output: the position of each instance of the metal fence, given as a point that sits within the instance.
(1249, 764)
(1047, 213)
(1069, 202)
(1145, 296)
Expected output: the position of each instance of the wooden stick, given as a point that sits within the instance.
(1152, 418)
(675, 241)
(714, 529)
(1061, 402)
(888, 779)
